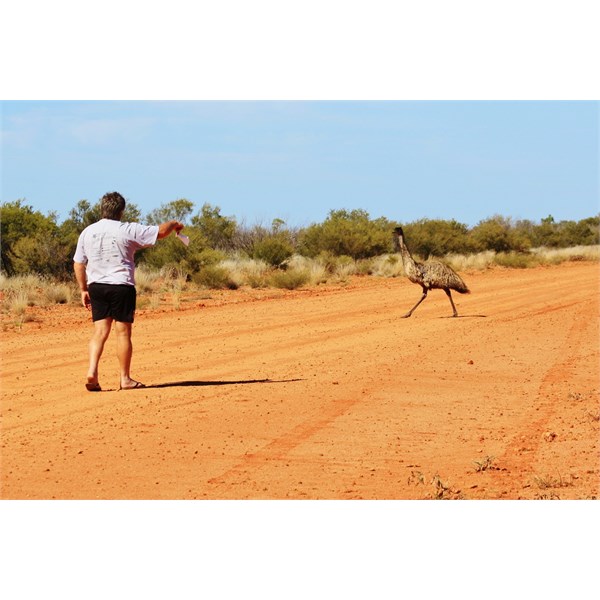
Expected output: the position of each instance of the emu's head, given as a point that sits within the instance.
(398, 239)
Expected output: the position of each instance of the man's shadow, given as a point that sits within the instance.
(197, 383)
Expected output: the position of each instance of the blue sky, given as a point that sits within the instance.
(296, 160)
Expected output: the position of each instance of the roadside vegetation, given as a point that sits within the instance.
(37, 250)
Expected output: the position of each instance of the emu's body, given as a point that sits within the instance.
(429, 275)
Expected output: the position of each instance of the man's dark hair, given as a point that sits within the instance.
(112, 206)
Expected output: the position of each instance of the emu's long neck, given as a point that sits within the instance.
(401, 247)
(407, 260)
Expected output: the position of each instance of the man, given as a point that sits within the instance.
(104, 268)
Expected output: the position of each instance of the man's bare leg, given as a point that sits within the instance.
(96, 347)
(124, 353)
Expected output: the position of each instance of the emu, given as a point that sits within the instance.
(430, 275)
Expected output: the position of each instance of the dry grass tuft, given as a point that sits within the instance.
(58, 294)
(522, 260)
(34, 290)
(484, 464)
(313, 271)
(247, 271)
(146, 280)
(545, 482)
(387, 265)
(18, 303)
(471, 262)
(554, 256)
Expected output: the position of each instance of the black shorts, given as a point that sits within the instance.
(112, 301)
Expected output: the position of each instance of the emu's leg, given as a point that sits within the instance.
(410, 312)
(451, 302)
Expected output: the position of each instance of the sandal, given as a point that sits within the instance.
(137, 385)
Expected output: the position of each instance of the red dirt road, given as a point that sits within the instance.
(357, 403)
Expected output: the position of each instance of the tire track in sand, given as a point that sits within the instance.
(521, 452)
(278, 448)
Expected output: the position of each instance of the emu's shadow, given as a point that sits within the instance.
(194, 383)
(465, 317)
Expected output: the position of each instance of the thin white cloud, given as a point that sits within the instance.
(106, 130)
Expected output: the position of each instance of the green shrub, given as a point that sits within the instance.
(165, 252)
(273, 250)
(256, 281)
(515, 260)
(214, 277)
(35, 243)
(290, 280)
(179, 210)
(205, 258)
(218, 231)
(564, 234)
(434, 237)
(43, 254)
(328, 259)
(30, 242)
(499, 234)
(350, 233)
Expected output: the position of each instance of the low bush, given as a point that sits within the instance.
(215, 277)
(272, 250)
(18, 304)
(35, 243)
(559, 255)
(58, 294)
(146, 280)
(387, 265)
(435, 237)
(291, 279)
(515, 260)
(478, 261)
(351, 233)
(34, 290)
(313, 269)
(247, 271)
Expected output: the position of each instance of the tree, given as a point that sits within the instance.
(568, 233)
(217, 230)
(497, 233)
(546, 233)
(44, 254)
(275, 246)
(348, 233)
(178, 210)
(18, 221)
(435, 237)
(84, 214)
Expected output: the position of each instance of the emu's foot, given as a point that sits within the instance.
(406, 315)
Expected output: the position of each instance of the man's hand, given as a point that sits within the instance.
(85, 300)
(80, 275)
(165, 229)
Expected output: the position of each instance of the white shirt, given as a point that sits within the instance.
(107, 248)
